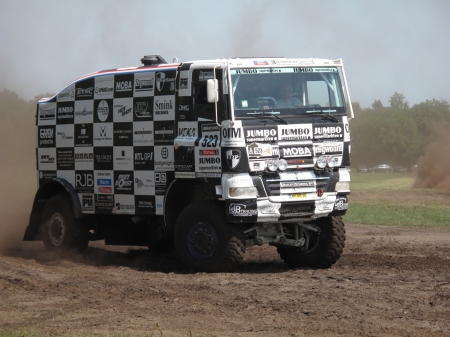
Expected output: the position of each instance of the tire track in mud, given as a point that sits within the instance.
(390, 281)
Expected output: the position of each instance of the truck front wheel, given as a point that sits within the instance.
(205, 241)
(60, 231)
(324, 248)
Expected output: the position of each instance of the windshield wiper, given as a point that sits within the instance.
(321, 113)
(268, 114)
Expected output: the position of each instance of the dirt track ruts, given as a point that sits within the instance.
(390, 281)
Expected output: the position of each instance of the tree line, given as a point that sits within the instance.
(396, 134)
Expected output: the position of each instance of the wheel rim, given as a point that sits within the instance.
(202, 240)
(56, 229)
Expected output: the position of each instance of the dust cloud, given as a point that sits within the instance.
(17, 169)
(433, 167)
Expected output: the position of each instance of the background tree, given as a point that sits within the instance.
(398, 101)
(377, 104)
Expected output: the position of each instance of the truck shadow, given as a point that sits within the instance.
(137, 258)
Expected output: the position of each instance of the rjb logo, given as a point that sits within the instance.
(233, 158)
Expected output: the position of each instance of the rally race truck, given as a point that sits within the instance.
(204, 157)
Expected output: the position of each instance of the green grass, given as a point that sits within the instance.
(390, 199)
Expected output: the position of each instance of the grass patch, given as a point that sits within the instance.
(398, 215)
(390, 199)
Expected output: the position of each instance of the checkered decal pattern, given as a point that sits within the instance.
(111, 136)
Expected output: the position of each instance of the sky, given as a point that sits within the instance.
(387, 46)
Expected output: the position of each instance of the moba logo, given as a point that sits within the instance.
(124, 86)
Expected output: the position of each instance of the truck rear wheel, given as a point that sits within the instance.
(324, 248)
(60, 230)
(205, 241)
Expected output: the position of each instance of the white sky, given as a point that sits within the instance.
(387, 45)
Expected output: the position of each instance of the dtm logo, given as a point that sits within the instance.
(233, 158)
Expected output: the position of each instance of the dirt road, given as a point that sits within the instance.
(390, 281)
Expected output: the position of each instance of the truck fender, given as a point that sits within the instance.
(47, 190)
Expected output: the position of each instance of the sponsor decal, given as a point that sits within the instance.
(104, 90)
(163, 81)
(84, 134)
(260, 63)
(123, 206)
(123, 158)
(65, 113)
(143, 158)
(46, 159)
(164, 132)
(209, 127)
(123, 182)
(183, 83)
(47, 113)
(261, 135)
(104, 203)
(103, 111)
(328, 132)
(123, 134)
(84, 92)
(143, 84)
(84, 181)
(187, 132)
(87, 202)
(208, 152)
(144, 204)
(292, 184)
(296, 151)
(261, 150)
(205, 75)
(47, 136)
(328, 148)
(341, 204)
(68, 95)
(123, 86)
(162, 107)
(297, 132)
(164, 158)
(246, 71)
(241, 210)
(65, 159)
(84, 112)
(142, 109)
(231, 132)
(233, 158)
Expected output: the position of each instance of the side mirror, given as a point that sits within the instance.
(212, 90)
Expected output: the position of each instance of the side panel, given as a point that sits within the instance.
(111, 137)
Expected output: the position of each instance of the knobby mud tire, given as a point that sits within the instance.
(204, 240)
(60, 231)
(329, 248)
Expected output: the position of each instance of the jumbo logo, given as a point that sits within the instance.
(233, 158)
(160, 79)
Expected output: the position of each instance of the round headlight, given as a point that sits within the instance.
(282, 165)
(321, 162)
(272, 165)
(331, 161)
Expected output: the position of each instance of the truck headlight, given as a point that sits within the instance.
(251, 191)
(321, 162)
(342, 186)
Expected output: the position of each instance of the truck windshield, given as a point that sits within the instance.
(286, 91)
